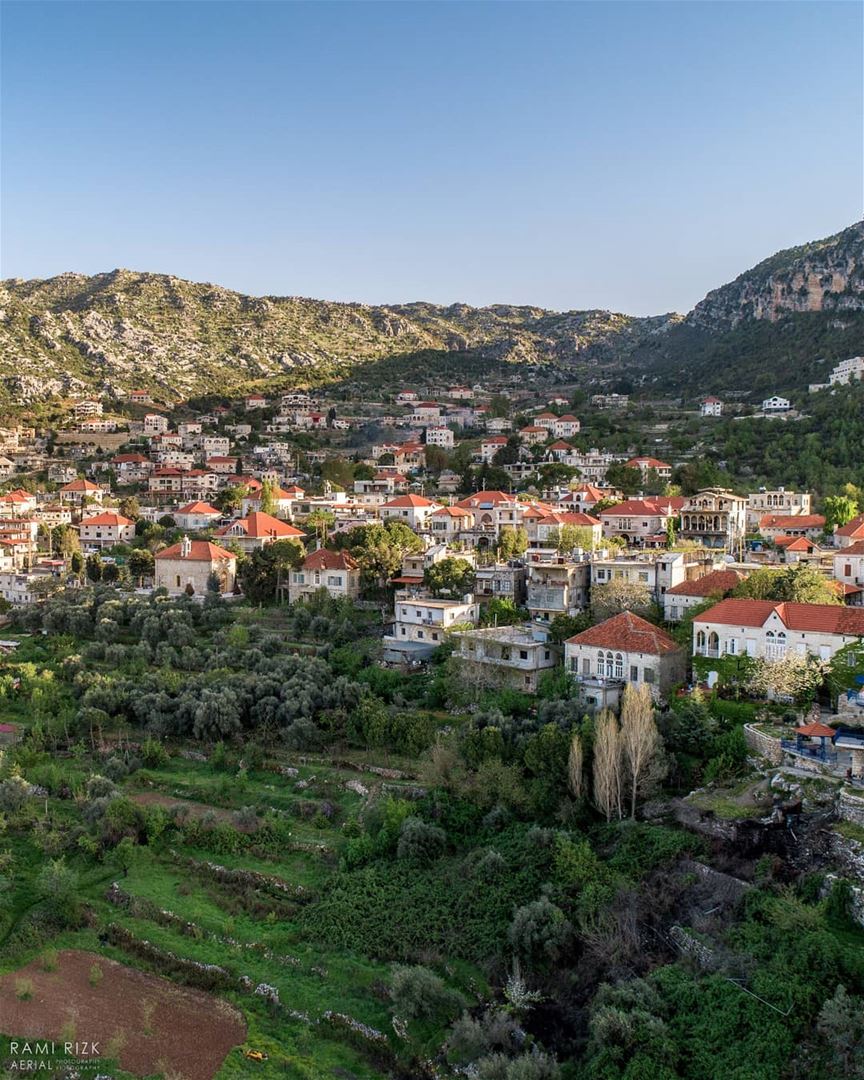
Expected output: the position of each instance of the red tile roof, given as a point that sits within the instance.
(628, 633)
(416, 501)
(107, 518)
(641, 508)
(854, 528)
(717, 581)
(259, 524)
(80, 485)
(324, 559)
(792, 521)
(854, 549)
(199, 551)
(818, 618)
(199, 508)
(485, 498)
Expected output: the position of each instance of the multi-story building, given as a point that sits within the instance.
(781, 501)
(440, 435)
(641, 522)
(623, 649)
(514, 656)
(257, 530)
(420, 625)
(501, 581)
(557, 587)
(155, 424)
(646, 465)
(711, 406)
(776, 404)
(847, 371)
(715, 518)
(413, 510)
(106, 530)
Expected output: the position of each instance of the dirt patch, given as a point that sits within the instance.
(193, 809)
(147, 1023)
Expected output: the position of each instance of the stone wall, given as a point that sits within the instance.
(763, 745)
(850, 807)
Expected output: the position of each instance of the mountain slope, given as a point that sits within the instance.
(120, 330)
(774, 327)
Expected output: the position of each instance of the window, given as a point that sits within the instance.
(649, 674)
(523, 654)
(419, 633)
(601, 575)
(601, 657)
(586, 666)
(634, 673)
(619, 666)
(700, 639)
(546, 654)
(178, 581)
(334, 579)
(732, 646)
(434, 637)
(643, 575)
(403, 631)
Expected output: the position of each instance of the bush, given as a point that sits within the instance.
(420, 841)
(539, 933)
(418, 993)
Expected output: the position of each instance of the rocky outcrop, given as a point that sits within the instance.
(824, 276)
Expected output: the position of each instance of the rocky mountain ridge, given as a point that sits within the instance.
(113, 332)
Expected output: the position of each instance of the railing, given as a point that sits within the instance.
(713, 654)
(815, 753)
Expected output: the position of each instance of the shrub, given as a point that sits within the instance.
(153, 753)
(23, 989)
(95, 975)
(420, 841)
(539, 933)
(418, 993)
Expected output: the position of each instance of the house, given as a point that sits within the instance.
(544, 529)
(413, 510)
(849, 571)
(623, 649)
(715, 518)
(447, 522)
(255, 401)
(257, 530)
(678, 600)
(772, 631)
(776, 404)
(584, 497)
(165, 481)
(79, 492)
(7, 467)
(781, 501)
(492, 510)
(420, 626)
(851, 533)
(489, 447)
(140, 397)
(282, 500)
(191, 565)
(215, 446)
(792, 549)
(82, 409)
(106, 530)
(27, 587)
(546, 420)
(566, 426)
(534, 435)
(336, 571)
(155, 424)
(460, 393)
(772, 526)
(425, 412)
(512, 656)
(407, 397)
(495, 425)
(656, 572)
(196, 515)
(131, 468)
(449, 481)
(650, 464)
(18, 502)
(559, 450)
(610, 401)
(556, 587)
(641, 521)
(711, 406)
(440, 436)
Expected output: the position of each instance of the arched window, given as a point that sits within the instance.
(600, 658)
(700, 639)
(713, 642)
(619, 666)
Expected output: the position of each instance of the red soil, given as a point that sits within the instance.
(146, 1022)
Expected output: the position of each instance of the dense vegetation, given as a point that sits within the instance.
(442, 871)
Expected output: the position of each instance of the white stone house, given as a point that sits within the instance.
(336, 571)
(191, 563)
(772, 631)
(623, 649)
(106, 530)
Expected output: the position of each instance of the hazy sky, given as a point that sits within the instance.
(572, 155)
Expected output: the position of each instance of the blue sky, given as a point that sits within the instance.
(571, 155)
